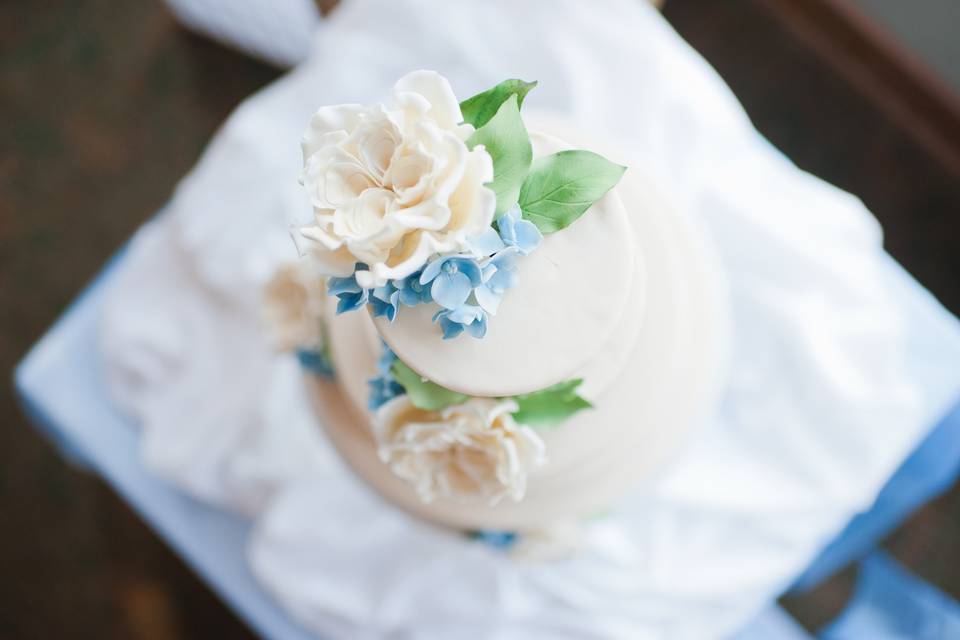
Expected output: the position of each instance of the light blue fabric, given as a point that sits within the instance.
(773, 624)
(932, 469)
(889, 603)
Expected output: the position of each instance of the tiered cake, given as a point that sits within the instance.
(523, 331)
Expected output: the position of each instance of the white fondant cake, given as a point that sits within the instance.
(524, 329)
(632, 296)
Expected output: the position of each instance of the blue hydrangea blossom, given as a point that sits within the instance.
(499, 274)
(412, 292)
(351, 296)
(384, 301)
(315, 361)
(517, 232)
(468, 287)
(469, 317)
(383, 387)
(452, 279)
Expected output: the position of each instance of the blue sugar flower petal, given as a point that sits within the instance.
(337, 286)
(507, 223)
(382, 390)
(496, 539)
(500, 272)
(385, 292)
(387, 310)
(508, 233)
(431, 271)
(450, 328)
(466, 317)
(467, 265)
(478, 328)
(384, 387)
(351, 301)
(466, 313)
(450, 290)
(315, 361)
(488, 270)
(506, 259)
(517, 232)
(386, 360)
(528, 236)
(384, 301)
(409, 298)
(502, 280)
(487, 298)
(486, 243)
(412, 292)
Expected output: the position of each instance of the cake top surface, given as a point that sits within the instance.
(569, 296)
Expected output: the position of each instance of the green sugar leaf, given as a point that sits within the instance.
(551, 405)
(423, 393)
(480, 108)
(508, 143)
(562, 186)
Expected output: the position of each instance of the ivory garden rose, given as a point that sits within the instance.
(393, 185)
(293, 304)
(467, 452)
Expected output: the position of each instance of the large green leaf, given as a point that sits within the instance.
(508, 143)
(562, 186)
(480, 108)
(423, 393)
(551, 405)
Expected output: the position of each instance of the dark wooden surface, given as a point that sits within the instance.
(104, 105)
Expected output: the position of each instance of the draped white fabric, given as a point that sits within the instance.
(841, 363)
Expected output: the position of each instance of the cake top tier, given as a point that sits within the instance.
(569, 296)
(495, 263)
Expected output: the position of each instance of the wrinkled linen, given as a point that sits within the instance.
(841, 363)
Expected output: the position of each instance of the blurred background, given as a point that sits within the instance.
(105, 105)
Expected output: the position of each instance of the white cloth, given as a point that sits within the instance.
(841, 362)
(276, 31)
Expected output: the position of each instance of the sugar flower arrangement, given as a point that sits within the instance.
(449, 445)
(293, 303)
(427, 200)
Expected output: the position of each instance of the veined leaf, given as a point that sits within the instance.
(551, 405)
(508, 143)
(562, 186)
(480, 108)
(423, 393)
